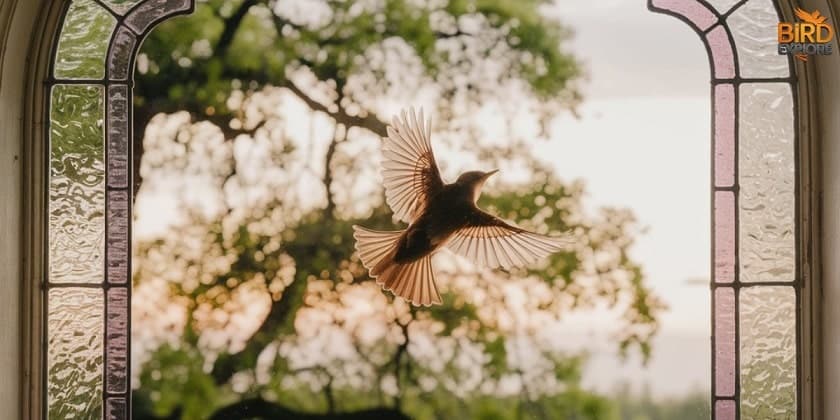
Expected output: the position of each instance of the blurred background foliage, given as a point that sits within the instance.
(254, 305)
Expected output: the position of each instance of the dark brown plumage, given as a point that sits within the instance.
(438, 215)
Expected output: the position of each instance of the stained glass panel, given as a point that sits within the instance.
(724, 134)
(84, 41)
(768, 353)
(121, 6)
(767, 180)
(725, 342)
(754, 180)
(119, 58)
(77, 184)
(753, 26)
(722, 6)
(74, 353)
(88, 291)
(723, 58)
(724, 237)
(144, 15)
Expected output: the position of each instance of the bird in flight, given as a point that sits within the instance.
(438, 215)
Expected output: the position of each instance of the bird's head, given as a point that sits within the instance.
(474, 180)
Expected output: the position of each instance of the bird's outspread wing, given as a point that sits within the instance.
(491, 241)
(409, 170)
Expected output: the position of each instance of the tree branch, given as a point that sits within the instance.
(368, 121)
(231, 26)
(261, 409)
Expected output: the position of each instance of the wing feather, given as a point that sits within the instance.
(490, 241)
(409, 170)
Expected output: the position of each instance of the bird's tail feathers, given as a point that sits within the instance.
(413, 281)
(375, 247)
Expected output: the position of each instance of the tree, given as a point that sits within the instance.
(214, 93)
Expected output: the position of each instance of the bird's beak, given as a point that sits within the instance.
(488, 174)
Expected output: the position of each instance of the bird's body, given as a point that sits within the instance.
(439, 215)
(448, 211)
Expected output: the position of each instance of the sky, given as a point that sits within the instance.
(642, 140)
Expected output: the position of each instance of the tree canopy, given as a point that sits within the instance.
(255, 305)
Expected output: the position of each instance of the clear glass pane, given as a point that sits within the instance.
(722, 6)
(74, 353)
(768, 353)
(77, 184)
(83, 42)
(120, 6)
(767, 181)
(754, 27)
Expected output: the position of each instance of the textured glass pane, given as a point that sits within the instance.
(697, 13)
(754, 27)
(118, 136)
(77, 184)
(121, 50)
(724, 135)
(118, 219)
(724, 237)
(116, 341)
(116, 409)
(725, 410)
(722, 6)
(74, 353)
(766, 176)
(768, 353)
(121, 6)
(143, 16)
(723, 59)
(84, 41)
(724, 342)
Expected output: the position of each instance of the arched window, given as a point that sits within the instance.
(757, 280)
(89, 204)
(757, 274)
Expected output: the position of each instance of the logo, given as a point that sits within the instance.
(811, 36)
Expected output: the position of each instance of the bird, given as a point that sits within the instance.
(439, 215)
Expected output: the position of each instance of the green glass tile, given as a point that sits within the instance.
(77, 184)
(83, 42)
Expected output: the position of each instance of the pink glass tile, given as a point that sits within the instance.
(725, 410)
(143, 16)
(117, 237)
(724, 237)
(722, 56)
(724, 135)
(116, 409)
(724, 342)
(692, 10)
(116, 341)
(118, 147)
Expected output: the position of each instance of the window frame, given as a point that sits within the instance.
(34, 210)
